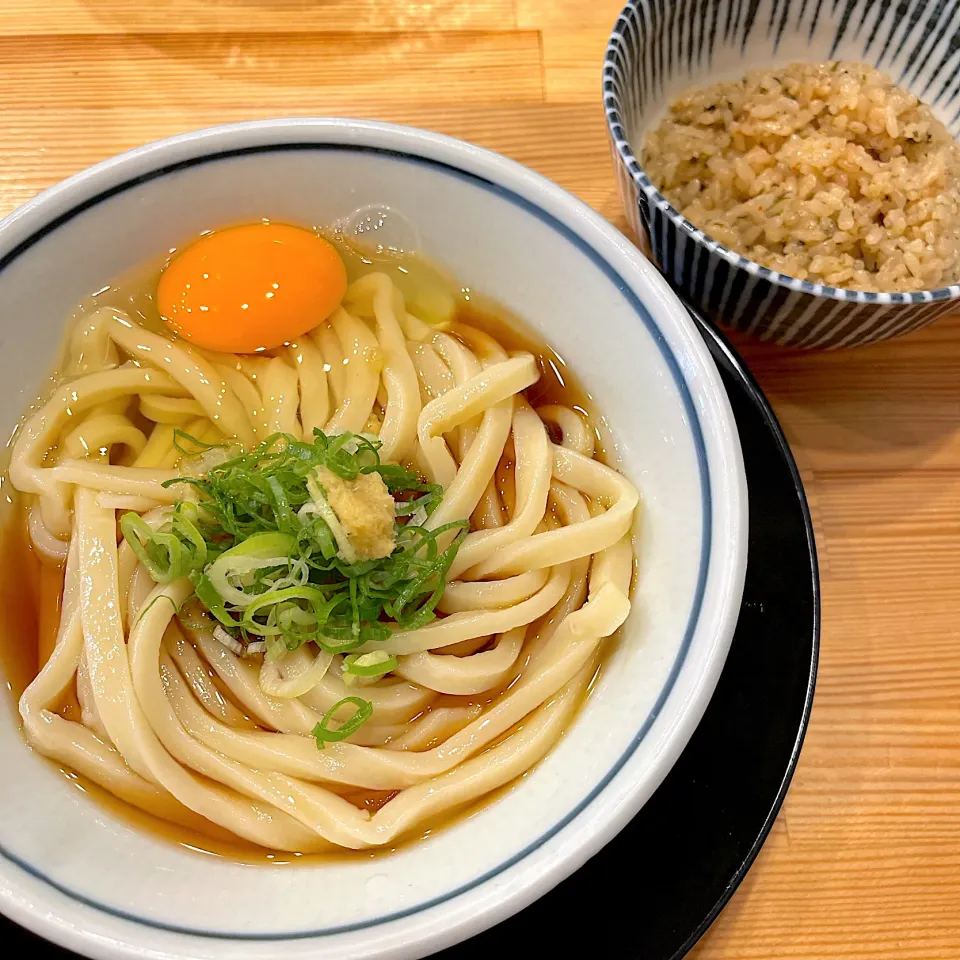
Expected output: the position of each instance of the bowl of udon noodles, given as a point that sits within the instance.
(373, 539)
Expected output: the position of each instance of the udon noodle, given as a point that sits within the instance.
(198, 726)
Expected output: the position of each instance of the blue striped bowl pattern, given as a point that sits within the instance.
(659, 48)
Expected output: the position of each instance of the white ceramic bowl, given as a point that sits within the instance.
(75, 874)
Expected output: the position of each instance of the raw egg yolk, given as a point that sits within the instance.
(251, 288)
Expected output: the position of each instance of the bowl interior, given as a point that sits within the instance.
(60, 853)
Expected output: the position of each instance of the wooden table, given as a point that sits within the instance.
(864, 860)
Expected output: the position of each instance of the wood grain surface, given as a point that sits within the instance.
(864, 861)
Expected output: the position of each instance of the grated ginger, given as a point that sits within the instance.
(365, 510)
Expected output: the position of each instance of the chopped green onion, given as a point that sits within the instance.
(261, 551)
(262, 545)
(361, 715)
(271, 559)
(172, 551)
(161, 596)
(374, 664)
(179, 435)
(207, 594)
(316, 602)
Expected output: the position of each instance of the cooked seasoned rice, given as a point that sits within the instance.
(824, 171)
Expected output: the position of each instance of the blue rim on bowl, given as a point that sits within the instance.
(648, 51)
